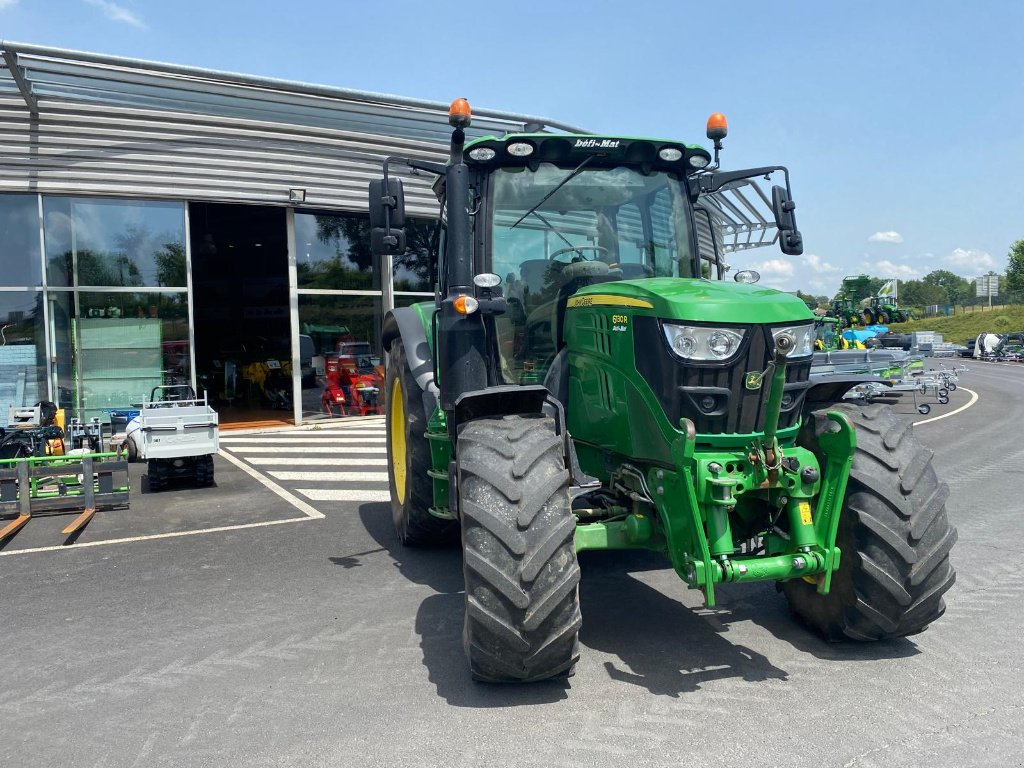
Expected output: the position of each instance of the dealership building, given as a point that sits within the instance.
(164, 224)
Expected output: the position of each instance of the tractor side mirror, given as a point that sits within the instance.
(387, 217)
(790, 240)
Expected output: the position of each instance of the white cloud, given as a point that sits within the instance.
(886, 237)
(815, 263)
(775, 273)
(5, 4)
(886, 268)
(116, 12)
(970, 260)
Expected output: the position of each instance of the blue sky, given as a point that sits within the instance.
(902, 122)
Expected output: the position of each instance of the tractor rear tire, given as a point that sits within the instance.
(868, 317)
(893, 533)
(412, 489)
(883, 317)
(522, 598)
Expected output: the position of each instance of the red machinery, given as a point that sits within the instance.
(352, 389)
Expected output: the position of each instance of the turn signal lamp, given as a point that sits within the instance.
(718, 127)
(459, 114)
(466, 305)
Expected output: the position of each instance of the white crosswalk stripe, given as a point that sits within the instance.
(338, 462)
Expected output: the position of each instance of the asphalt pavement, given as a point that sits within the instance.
(323, 642)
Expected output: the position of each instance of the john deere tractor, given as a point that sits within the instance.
(587, 379)
(883, 310)
(845, 311)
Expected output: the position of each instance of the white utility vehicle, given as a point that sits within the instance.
(177, 434)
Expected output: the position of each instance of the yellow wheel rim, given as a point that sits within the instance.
(396, 429)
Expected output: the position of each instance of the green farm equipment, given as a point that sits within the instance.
(845, 311)
(827, 333)
(883, 310)
(586, 379)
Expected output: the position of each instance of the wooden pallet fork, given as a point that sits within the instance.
(60, 484)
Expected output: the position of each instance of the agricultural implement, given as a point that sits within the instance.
(35, 480)
(587, 379)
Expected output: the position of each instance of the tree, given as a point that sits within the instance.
(957, 289)
(920, 293)
(1015, 271)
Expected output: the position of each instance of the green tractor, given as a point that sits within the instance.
(578, 384)
(845, 311)
(883, 310)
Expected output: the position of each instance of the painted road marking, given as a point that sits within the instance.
(301, 435)
(972, 401)
(344, 494)
(299, 504)
(300, 451)
(333, 477)
(285, 461)
(297, 441)
(153, 537)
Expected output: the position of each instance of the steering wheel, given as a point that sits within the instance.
(598, 251)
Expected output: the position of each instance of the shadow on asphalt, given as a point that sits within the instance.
(763, 605)
(661, 644)
(439, 622)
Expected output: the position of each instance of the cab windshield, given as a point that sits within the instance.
(599, 225)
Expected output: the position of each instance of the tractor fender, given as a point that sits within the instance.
(524, 400)
(829, 388)
(409, 326)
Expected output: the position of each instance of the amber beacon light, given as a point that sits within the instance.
(718, 127)
(459, 114)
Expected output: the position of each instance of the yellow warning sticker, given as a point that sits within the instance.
(805, 513)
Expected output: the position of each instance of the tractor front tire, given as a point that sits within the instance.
(522, 599)
(883, 317)
(893, 533)
(868, 317)
(412, 489)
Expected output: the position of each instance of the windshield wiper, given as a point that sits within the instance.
(557, 187)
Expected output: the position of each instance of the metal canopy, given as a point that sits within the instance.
(743, 216)
(39, 73)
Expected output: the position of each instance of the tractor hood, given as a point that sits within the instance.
(703, 301)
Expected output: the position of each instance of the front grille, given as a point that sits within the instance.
(714, 395)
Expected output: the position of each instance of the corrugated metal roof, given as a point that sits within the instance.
(59, 74)
(87, 124)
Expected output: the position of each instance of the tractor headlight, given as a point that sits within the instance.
(804, 335)
(697, 343)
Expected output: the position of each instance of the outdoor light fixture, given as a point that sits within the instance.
(296, 195)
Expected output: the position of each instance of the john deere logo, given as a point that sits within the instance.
(753, 380)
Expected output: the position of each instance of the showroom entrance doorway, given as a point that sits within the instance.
(240, 310)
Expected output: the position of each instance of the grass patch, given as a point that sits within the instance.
(958, 328)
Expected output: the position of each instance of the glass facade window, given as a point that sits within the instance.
(340, 352)
(19, 241)
(125, 243)
(414, 269)
(22, 350)
(97, 312)
(333, 252)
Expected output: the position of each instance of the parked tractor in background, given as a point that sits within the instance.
(845, 311)
(882, 311)
(629, 402)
